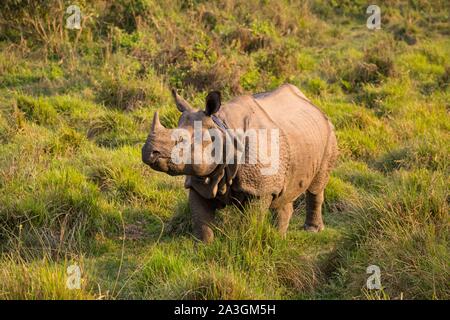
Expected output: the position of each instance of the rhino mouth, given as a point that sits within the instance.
(159, 163)
(164, 164)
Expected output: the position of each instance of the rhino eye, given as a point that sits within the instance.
(180, 139)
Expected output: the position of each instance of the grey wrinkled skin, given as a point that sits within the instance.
(307, 148)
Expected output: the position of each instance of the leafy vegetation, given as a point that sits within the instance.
(75, 109)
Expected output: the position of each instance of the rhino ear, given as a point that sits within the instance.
(182, 104)
(212, 102)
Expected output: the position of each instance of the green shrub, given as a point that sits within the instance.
(365, 144)
(316, 86)
(338, 193)
(388, 99)
(37, 110)
(169, 117)
(376, 65)
(66, 141)
(418, 153)
(113, 129)
(123, 95)
(4, 129)
(403, 230)
(361, 176)
(45, 280)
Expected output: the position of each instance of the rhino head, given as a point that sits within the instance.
(157, 151)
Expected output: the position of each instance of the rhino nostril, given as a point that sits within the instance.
(149, 156)
(154, 155)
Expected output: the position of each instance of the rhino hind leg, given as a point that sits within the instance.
(315, 192)
(284, 215)
(202, 211)
(314, 222)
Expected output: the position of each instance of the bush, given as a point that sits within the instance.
(37, 110)
(404, 229)
(337, 194)
(376, 65)
(123, 95)
(44, 280)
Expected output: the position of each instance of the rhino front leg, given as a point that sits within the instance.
(284, 214)
(314, 222)
(202, 211)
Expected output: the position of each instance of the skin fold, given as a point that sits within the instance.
(307, 152)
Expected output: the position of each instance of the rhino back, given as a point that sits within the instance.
(308, 132)
(304, 131)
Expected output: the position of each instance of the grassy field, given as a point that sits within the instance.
(76, 106)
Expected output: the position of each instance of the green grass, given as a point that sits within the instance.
(75, 110)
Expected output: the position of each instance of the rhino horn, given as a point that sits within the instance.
(156, 124)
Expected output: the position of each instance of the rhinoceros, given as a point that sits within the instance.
(306, 152)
